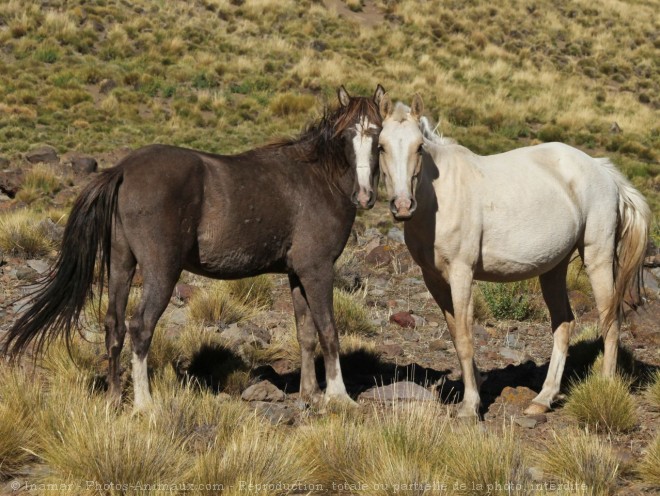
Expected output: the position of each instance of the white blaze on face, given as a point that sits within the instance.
(362, 145)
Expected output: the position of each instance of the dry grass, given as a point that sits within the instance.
(252, 291)
(351, 315)
(215, 305)
(23, 234)
(580, 458)
(602, 403)
(649, 467)
(40, 181)
(653, 390)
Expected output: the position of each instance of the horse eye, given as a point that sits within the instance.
(381, 149)
(420, 149)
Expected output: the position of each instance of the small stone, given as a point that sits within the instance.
(40, 266)
(84, 165)
(403, 319)
(391, 349)
(396, 234)
(519, 397)
(526, 422)
(276, 413)
(404, 390)
(283, 366)
(377, 292)
(513, 341)
(46, 154)
(177, 317)
(379, 256)
(184, 291)
(438, 345)
(107, 85)
(511, 354)
(535, 473)
(263, 391)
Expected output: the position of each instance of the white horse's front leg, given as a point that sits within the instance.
(460, 280)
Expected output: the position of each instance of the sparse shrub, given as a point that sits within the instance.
(82, 438)
(216, 305)
(481, 309)
(347, 272)
(350, 314)
(20, 397)
(649, 468)
(653, 391)
(581, 458)
(603, 403)
(508, 300)
(292, 104)
(477, 457)
(43, 179)
(551, 132)
(256, 291)
(23, 234)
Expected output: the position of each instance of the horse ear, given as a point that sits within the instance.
(417, 106)
(344, 98)
(378, 95)
(385, 106)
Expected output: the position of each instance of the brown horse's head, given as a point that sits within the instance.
(359, 124)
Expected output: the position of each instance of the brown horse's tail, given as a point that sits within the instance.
(60, 297)
(634, 219)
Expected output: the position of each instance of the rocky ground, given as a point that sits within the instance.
(414, 357)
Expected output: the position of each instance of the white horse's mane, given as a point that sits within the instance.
(430, 133)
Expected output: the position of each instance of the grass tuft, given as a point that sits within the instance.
(649, 467)
(578, 457)
(508, 300)
(351, 315)
(653, 390)
(603, 403)
(215, 305)
(256, 291)
(23, 234)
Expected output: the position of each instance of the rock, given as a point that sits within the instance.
(396, 234)
(107, 85)
(511, 354)
(403, 319)
(276, 413)
(531, 421)
(236, 336)
(263, 391)
(380, 255)
(377, 292)
(513, 341)
(391, 349)
(519, 397)
(536, 473)
(84, 165)
(318, 45)
(40, 266)
(438, 345)
(419, 320)
(405, 390)
(615, 128)
(652, 261)
(283, 366)
(177, 317)
(10, 182)
(53, 231)
(184, 291)
(46, 154)
(25, 273)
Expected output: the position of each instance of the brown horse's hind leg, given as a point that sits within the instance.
(159, 283)
(553, 287)
(317, 287)
(122, 268)
(308, 339)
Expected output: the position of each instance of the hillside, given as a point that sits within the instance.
(227, 75)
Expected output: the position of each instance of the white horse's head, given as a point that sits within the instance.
(400, 146)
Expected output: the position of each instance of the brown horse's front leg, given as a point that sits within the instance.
(308, 339)
(317, 287)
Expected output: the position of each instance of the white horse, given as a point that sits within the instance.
(509, 217)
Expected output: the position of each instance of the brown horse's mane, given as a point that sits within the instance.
(320, 142)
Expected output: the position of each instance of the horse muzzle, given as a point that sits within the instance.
(403, 208)
(364, 199)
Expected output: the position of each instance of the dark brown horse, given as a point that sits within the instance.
(286, 207)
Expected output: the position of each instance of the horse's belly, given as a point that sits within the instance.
(521, 254)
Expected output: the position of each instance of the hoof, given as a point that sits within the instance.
(339, 402)
(536, 409)
(466, 412)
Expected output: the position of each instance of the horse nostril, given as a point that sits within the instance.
(354, 198)
(393, 208)
(413, 205)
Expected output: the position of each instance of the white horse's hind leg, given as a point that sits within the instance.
(553, 286)
(602, 283)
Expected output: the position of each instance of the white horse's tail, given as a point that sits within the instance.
(630, 244)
